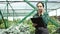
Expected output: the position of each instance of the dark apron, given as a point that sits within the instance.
(41, 30)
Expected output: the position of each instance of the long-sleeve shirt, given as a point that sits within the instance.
(43, 20)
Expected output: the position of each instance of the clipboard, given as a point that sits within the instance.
(36, 20)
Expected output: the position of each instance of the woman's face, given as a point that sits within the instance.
(40, 8)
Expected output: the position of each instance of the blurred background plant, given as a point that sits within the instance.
(26, 25)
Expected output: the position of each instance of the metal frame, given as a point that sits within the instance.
(2, 18)
(6, 23)
(35, 9)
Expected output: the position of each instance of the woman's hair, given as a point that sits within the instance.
(41, 3)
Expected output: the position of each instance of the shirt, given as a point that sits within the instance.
(43, 20)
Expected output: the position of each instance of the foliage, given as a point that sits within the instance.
(51, 28)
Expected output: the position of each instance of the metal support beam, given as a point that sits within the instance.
(26, 16)
(12, 10)
(30, 4)
(6, 23)
(3, 18)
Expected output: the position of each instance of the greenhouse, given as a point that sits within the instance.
(15, 16)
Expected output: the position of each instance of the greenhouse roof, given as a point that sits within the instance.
(21, 8)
